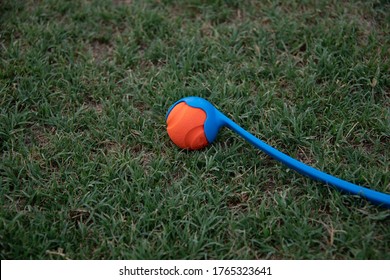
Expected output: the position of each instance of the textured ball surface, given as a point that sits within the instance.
(186, 127)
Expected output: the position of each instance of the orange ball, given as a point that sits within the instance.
(186, 127)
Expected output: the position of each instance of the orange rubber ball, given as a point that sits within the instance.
(185, 126)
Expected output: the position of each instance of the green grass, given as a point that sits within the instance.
(87, 170)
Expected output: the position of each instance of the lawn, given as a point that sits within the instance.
(87, 170)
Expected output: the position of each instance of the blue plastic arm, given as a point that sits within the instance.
(374, 196)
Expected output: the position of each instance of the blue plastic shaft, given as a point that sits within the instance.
(374, 196)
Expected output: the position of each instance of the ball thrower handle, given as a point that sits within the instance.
(374, 196)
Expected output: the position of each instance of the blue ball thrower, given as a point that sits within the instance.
(193, 123)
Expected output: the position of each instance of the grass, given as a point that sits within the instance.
(87, 170)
